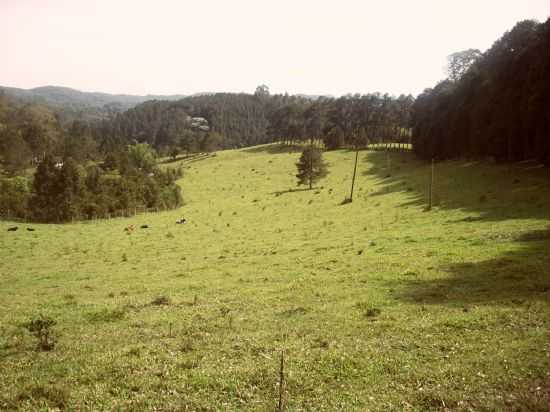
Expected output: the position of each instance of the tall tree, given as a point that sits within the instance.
(460, 62)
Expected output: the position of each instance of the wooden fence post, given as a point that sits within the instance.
(430, 204)
(282, 383)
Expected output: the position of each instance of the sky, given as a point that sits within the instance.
(295, 46)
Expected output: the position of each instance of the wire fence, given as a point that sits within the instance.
(6, 215)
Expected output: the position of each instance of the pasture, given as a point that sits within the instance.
(379, 305)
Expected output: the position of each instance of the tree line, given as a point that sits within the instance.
(202, 124)
(65, 191)
(241, 120)
(493, 104)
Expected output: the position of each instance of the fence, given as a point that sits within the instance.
(125, 213)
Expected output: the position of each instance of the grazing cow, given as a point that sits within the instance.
(12, 229)
(181, 221)
(144, 226)
(30, 229)
(129, 228)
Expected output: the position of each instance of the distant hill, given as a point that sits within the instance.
(74, 104)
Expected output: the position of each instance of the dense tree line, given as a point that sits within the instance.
(240, 120)
(61, 192)
(493, 104)
(202, 124)
(352, 120)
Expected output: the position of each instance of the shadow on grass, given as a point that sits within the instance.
(282, 192)
(491, 192)
(484, 192)
(513, 278)
(274, 148)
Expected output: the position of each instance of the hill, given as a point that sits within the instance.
(378, 304)
(76, 100)
(57, 96)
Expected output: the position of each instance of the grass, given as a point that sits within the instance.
(378, 304)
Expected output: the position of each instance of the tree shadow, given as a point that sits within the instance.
(491, 192)
(297, 190)
(514, 278)
(484, 192)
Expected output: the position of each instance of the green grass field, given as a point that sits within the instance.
(379, 305)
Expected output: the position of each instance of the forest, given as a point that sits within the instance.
(495, 104)
(226, 120)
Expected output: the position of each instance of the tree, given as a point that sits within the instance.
(142, 157)
(17, 154)
(460, 62)
(174, 152)
(262, 90)
(311, 166)
(71, 190)
(211, 142)
(44, 203)
(334, 139)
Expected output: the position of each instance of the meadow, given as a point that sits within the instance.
(378, 305)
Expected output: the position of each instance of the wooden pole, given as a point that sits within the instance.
(354, 173)
(282, 382)
(430, 204)
(310, 167)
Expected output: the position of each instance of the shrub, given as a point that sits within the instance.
(41, 329)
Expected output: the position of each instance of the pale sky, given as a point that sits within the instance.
(294, 46)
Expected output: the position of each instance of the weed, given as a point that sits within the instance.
(106, 315)
(41, 328)
(161, 301)
(56, 396)
(372, 312)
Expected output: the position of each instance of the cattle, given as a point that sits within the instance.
(12, 229)
(144, 226)
(30, 229)
(181, 221)
(129, 229)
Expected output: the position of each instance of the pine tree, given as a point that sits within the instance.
(46, 191)
(311, 166)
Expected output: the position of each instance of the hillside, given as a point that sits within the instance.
(378, 304)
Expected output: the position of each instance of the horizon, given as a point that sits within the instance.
(311, 49)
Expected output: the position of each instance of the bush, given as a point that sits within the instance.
(41, 329)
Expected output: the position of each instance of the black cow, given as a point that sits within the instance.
(181, 221)
(30, 229)
(12, 229)
(144, 226)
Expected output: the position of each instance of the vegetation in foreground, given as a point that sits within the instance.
(378, 304)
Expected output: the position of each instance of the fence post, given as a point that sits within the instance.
(430, 204)
(281, 383)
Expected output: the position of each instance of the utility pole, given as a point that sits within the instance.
(430, 204)
(354, 173)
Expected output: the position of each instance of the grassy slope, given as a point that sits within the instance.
(463, 293)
